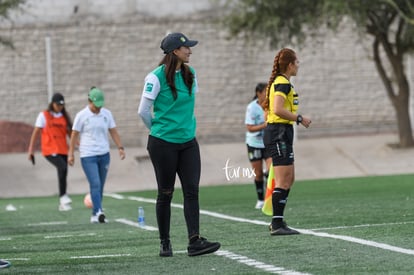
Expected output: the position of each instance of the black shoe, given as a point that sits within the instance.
(283, 230)
(165, 248)
(4, 264)
(283, 224)
(101, 217)
(202, 246)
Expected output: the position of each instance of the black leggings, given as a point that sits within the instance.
(61, 164)
(168, 160)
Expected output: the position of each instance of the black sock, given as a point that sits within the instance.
(259, 189)
(279, 202)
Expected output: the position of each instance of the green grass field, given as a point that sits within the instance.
(348, 226)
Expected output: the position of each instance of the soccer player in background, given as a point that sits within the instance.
(91, 127)
(255, 123)
(54, 125)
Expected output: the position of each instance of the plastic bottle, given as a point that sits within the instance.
(141, 217)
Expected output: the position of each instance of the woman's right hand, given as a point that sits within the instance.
(71, 160)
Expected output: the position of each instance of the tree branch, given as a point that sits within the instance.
(380, 68)
(400, 12)
(401, 49)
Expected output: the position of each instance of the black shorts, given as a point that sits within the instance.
(256, 154)
(278, 140)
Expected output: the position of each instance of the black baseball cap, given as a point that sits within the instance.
(175, 40)
(58, 98)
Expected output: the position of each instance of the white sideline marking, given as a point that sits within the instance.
(231, 218)
(320, 234)
(69, 236)
(135, 224)
(18, 259)
(362, 225)
(132, 198)
(359, 241)
(251, 262)
(302, 231)
(181, 252)
(100, 256)
(5, 239)
(142, 199)
(241, 259)
(113, 195)
(257, 264)
(47, 223)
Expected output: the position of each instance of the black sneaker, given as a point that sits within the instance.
(4, 264)
(101, 217)
(202, 246)
(283, 230)
(283, 224)
(165, 248)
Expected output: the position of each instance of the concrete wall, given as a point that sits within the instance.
(337, 83)
(52, 11)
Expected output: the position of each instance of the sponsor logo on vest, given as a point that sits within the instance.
(148, 87)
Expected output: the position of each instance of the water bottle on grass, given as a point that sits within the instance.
(141, 217)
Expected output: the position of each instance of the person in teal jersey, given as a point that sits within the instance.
(255, 123)
(170, 91)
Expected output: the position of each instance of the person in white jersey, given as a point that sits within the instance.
(255, 121)
(90, 128)
(170, 90)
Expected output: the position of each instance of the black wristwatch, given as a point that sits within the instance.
(299, 119)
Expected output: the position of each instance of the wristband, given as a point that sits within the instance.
(299, 119)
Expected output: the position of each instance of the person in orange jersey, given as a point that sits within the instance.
(54, 124)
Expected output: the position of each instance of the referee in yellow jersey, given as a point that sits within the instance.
(282, 105)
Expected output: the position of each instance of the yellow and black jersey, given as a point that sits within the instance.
(282, 87)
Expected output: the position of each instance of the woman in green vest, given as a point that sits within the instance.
(170, 90)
